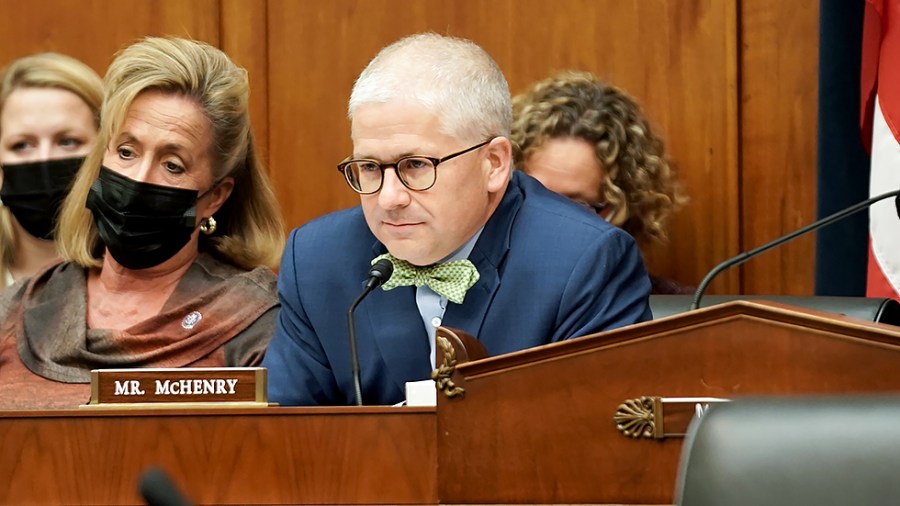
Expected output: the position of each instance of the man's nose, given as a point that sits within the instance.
(392, 194)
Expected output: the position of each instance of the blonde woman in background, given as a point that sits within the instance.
(49, 115)
(167, 236)
(589, 141)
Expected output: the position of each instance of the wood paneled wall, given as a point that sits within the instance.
(779, 68)
(729, 84)
(93, 30)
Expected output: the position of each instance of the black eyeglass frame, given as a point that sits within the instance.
(342, 168)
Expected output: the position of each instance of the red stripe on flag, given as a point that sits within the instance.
(871, 45)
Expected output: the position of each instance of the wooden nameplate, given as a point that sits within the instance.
(178, 387)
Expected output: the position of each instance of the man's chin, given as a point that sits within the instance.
(415, 257)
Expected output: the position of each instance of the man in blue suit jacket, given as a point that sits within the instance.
(547, 269)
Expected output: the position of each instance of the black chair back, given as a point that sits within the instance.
(793, 451)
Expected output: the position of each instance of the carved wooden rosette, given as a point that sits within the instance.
(639, 418)
(656, 417)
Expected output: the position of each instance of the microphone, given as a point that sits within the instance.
(747, 255)
(157, 489)
(378, 274)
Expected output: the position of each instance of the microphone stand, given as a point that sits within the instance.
(354, 354)
(378, 274)
(747, 255)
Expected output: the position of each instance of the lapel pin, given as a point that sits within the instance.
(192, 319)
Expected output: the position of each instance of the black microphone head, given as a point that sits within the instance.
(381, 271)
(158, 489)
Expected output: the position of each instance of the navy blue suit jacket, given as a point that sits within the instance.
(550, 270)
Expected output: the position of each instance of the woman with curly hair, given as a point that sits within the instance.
(589, 141)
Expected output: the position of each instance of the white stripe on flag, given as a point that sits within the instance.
(884, 226)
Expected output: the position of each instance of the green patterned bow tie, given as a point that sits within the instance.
(450, 279)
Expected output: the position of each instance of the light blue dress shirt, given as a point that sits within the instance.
(432, 305)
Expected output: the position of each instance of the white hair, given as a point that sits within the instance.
(451, 77)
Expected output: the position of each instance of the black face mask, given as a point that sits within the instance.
(141, 224)
(34, 192)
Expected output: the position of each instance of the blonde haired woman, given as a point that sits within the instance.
(168, 236)
(49, 115)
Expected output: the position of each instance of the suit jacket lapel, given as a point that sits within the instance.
(488, 256)
(469, 315)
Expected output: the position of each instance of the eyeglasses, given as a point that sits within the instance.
(418, 173)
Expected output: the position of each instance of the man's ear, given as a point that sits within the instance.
(499, 160)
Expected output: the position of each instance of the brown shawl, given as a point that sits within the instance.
(48, 319)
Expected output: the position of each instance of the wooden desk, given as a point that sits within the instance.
(222, 456)
(535, 426)
(538, 425)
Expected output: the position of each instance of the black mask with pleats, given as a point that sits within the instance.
(141, 224)
(35, 191)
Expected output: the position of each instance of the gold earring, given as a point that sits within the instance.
(208, 225)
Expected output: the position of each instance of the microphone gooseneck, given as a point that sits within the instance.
(378, 274)
(747, 255)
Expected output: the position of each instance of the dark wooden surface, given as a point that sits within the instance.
(221, 456)
(537, 426)
(533, 427)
